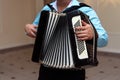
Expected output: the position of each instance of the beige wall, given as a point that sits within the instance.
(39, 5)
(14, 14)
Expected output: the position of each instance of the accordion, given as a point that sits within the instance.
(56, 44)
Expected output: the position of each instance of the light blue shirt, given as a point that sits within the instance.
(102, 34)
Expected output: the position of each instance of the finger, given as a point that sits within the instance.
(83, 23)
(83, 39)
(80, 29)
(34, 30)
(82, 36)
(77, 28)
(31, 34)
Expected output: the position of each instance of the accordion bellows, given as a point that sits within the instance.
(56, 44)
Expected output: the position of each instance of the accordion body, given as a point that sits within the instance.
(56, 44)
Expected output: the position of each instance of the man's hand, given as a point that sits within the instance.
(31, 30)
(84, 32)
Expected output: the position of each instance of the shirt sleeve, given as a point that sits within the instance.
(36, 20)
(102, 34)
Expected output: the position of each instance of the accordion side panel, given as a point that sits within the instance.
(91, 44)
(39, 36)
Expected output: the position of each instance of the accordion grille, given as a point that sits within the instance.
(57, 47)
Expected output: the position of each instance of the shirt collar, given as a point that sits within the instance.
(72, 3)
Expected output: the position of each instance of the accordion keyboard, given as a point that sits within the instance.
(81, 45)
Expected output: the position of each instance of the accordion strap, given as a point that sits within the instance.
(51, 7)
(69, 9)
(76, 7)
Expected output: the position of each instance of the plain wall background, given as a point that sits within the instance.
(14, 15)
